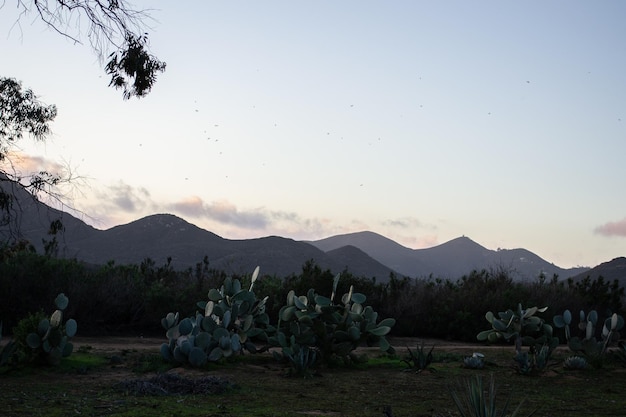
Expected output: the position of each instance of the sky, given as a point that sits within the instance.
(419, 120)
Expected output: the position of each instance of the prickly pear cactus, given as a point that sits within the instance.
(527, 329)
(230, 321)
(335, 330)
(51, 340)
(585, 343)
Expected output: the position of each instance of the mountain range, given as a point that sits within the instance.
(365, 254)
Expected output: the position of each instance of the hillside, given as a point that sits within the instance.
(165, 236)
(451, 260)
(614, 269)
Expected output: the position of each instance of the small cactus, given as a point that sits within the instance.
(476, 361)
(575, 362)
(51, 339)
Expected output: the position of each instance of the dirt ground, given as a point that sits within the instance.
(117, 344)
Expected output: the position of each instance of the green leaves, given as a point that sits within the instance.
(133, 69)
(50, 341)
(332, 329)
(21, 113)
(61, 301)
(229, 319)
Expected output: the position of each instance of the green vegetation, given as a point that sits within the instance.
(313, 334)
(480, 401)
(591, 349)
(132, 299)
(88, 382)
(417, 359)
(49, 341)
(527, 329)
(315, 327)
(230, 322)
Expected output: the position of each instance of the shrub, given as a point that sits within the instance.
(526, 329)
(592, 349)
(232, 319)
(335, 330)
(49, 341)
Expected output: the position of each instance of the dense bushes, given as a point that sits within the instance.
(133, 298)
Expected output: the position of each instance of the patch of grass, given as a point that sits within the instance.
(81, 362)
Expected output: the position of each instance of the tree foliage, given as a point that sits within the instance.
(21, 113)
(109, 25)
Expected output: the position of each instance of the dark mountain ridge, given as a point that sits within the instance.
(451, 260)
(164, 236)
(615, 269)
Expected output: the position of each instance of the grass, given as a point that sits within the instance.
(84, 384)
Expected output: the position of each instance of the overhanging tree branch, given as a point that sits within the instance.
(111, 25)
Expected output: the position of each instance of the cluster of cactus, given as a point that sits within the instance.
(592, 349)
(8, 351)
(333, 329)
(527, 329)
(230, 321)
(476, 361)
(50, 341)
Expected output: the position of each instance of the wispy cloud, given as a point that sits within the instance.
(229, 220)
(21, 163)
(127, 198)
(221, 212)
(617, 228)
(410, 232)
(403, 222)
(116, 204)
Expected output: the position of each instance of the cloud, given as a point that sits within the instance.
(403, 222)
(116, 204)
(222, 212)
(126, 197)
(24, 164)
(227, 219)
(408, 231)
(617, 228)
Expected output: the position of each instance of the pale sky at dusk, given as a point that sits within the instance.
(419, 120)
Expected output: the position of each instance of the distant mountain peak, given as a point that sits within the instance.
(165, 236)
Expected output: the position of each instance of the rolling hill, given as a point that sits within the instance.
(165, 236)
(451, 260)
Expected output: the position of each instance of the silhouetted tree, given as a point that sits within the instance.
(21, 114)
(116, 32)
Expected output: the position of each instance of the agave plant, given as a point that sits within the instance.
(418, 360)
(575, 363)
(481, 402)
(476, 361)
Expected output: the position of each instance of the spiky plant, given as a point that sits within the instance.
(481, 402)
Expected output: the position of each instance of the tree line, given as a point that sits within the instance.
(132, 299)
